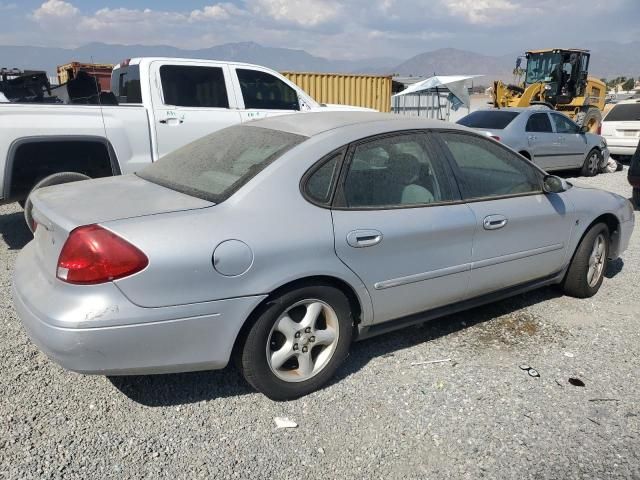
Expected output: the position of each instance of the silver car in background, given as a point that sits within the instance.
(280, 241)
(549, 139)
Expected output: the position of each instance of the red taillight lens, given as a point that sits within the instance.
(94, 255)
(495, 138)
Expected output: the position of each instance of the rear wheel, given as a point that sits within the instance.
(586, 272)
(591, 166)
(55, 179)
(591, 117)
(297, 343)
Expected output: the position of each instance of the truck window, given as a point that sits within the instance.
(127, 82)
(189, 86)
(264, 91)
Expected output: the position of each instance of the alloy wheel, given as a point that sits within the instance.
(303, 340)
(597, 261)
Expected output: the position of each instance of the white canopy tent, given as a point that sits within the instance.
(456, 84)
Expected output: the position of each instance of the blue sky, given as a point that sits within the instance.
(330, 28)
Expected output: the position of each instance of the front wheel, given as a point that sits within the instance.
(55, 179)
(591, 165)
(298, 341)
(586, 272)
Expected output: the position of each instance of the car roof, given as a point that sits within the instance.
(314, 123)
(531, 109)
(627, 102)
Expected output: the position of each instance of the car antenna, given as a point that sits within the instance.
(98, 91)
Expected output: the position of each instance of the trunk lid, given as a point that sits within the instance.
(59, 209)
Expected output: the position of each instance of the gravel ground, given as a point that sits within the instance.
(477, 415)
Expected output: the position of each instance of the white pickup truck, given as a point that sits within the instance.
(157, 106)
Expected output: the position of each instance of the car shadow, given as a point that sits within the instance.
(614, 267)
(362, 353)
(186, 388)
(14, 230)
(182, 388)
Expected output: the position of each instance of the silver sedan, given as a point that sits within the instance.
(281, 241)
(549, 139)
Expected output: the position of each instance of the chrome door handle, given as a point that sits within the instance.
(364, 238)
(532, 137)
(494, 222)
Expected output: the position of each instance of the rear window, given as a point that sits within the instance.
(624, 113)
(125, 84)
(490, 119)
(215, 166)
(193, 86)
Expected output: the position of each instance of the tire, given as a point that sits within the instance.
(591, 117)
(55, 179)
(281, 377)
(636, 197)
(578, 282)
(591, 165)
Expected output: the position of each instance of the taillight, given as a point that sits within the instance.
(94, 255)
(600, 129)
(495, 137)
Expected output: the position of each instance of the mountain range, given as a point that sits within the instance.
(609, 59)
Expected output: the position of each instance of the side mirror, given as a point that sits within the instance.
(554, 184)
(584, 129)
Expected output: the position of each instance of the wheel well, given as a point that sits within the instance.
(341, 285)
(30, 161)
(525, 154)
(612, 222)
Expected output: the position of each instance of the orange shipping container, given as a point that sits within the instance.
(370, 91)
(101, 71)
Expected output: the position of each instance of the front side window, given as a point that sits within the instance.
(264, 91)
(215, 166)
(564, 125)
(539, 123)
(393, 172)
(192, 86)
(487, 170)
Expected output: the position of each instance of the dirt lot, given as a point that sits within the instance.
(476, 416)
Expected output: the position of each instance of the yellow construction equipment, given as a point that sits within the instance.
(558, 78)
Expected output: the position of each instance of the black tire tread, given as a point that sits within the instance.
(575, 283)
(251, 357)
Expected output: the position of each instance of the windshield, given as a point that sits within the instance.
(542, 67)
(217, 165)
(624, 112)
(490, 119)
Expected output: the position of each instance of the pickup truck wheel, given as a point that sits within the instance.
(55, 179)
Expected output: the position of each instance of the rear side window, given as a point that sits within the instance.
(189, 86)
(539, 123)
(126, 81)
(490, 119)
(215, 166)
(264, 91)
(626, 112)
(318, 187)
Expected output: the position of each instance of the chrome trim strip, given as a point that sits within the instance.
(420, 277)
(516, 256)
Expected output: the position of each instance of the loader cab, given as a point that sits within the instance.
(564, 73)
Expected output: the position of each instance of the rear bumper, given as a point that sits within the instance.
(622, 146)
(122, 338)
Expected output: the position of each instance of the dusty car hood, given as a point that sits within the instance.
(111, 198)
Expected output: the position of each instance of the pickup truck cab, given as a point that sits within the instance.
(157, 105)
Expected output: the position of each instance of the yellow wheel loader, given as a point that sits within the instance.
(560, 79)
